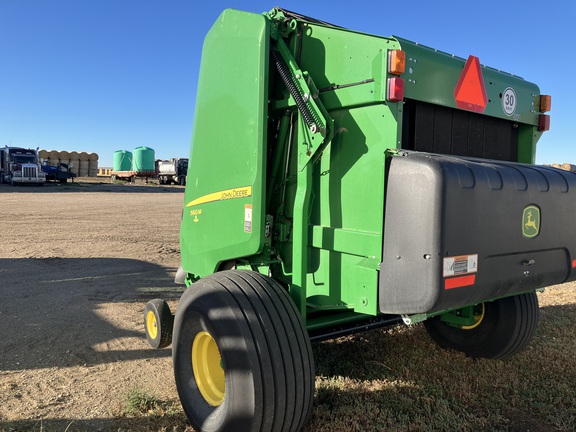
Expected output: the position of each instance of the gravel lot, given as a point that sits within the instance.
(78, 262)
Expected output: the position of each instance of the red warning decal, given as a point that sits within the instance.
(470, 93)
(459, 282)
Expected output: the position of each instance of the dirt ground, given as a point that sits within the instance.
(78, 262)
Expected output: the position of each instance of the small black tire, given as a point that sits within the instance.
(242, 357)
(158, 323)
(507, 325)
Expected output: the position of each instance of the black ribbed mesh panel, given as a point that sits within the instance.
(438, 129)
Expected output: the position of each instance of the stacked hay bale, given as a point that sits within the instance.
(54, 157)
(92, 165)
(43, 154)
(568, 167)
(75, 161)
(564, 166)
(83, 164)
(64, 157)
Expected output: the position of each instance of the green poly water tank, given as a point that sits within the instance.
(143, 160)
(122, 161)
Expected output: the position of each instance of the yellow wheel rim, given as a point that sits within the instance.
(479, 311)
(151, 325)
(208, 369)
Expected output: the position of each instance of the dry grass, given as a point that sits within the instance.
(399, 380)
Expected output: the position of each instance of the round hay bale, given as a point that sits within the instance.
(84, 168)
(43, 154)
(83, 156)
(65, 154)
(93, 169)
(92, 157)
(53, 155)
(75, 168)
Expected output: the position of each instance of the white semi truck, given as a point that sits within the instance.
(173, 171)
(20, 165)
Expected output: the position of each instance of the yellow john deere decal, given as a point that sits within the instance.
(241, 192)
(531, 221)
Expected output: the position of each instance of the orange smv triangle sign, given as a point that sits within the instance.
(470, 93)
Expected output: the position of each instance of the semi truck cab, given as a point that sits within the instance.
(20, 166)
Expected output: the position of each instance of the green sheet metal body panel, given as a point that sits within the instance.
(432, 75)
(223, 216)
(347, 185)
(344, 245)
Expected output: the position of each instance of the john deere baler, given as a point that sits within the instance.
(340, 181)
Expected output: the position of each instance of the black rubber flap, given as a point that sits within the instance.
(462, 231)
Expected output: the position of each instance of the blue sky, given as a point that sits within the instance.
(106, 75)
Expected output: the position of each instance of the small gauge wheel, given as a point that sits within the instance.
(158, 322)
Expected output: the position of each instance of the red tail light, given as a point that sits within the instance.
(395, 90)
(544, 123)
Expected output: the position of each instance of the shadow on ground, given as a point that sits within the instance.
(101, 186)
(54, 310)
(171, 423)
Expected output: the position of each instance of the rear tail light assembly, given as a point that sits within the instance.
(395, 84)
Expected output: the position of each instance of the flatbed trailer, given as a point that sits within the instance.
(131, 176)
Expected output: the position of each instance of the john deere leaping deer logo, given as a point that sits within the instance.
(531, 221)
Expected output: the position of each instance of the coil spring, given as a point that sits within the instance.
(300, 103)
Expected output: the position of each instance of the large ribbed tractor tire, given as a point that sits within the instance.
(242, 356)
(503, 328)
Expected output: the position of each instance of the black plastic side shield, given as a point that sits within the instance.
(462, 231)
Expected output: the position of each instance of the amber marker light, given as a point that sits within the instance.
(545, 103)
(396, 62)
